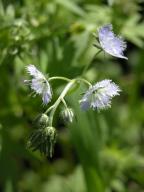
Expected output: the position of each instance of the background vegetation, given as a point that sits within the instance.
(99, 152)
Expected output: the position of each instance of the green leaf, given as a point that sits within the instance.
(71, 6)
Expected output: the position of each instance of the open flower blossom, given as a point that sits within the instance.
(99, 96)
(110, 43)
(39, 84)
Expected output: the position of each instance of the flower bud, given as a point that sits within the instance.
(50, 140)
(67, 115)
(43, 140)
(42, 121)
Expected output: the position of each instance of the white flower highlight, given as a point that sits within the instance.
(39, 84)
(110, 43)
(99, 96)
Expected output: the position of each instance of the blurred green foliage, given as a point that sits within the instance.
(100, 152)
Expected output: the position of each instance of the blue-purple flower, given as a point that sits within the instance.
(99, 96)
(39, 84)
(110, 43)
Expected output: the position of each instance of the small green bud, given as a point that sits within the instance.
(43, 140)
(67, 115)
(42, 121)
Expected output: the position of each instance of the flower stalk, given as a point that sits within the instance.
(59, 78)
(58, 101)
(87, 66)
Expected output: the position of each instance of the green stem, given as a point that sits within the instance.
(59, 78)
(49, 109)
(85, 81)
(87, 66)
(60, 98)
(64, 102)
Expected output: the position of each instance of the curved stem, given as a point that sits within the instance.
(49, 109)
(59, 78)
(87, 66)
(85, 81)
(60, 98)
(64, 102)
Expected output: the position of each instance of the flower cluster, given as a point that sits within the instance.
(97, 97)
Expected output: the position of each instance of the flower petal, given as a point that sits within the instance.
(100, 95)
(33, 71)
(39, 84)
(110, 43)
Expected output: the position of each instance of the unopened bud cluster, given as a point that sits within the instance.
(44, 137)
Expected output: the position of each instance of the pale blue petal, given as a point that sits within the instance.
(39, 84)
(100, 95)
(110, 43)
